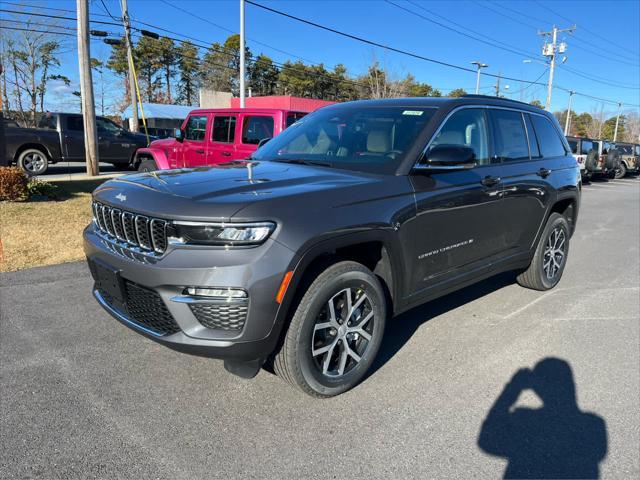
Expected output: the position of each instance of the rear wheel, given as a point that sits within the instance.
(550, 257)
(335, 332)
(147, 165)
(621, 171)
(33, 162)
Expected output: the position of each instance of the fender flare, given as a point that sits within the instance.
(158, 156)
(300, 264)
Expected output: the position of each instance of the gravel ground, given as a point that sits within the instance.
(84, 397)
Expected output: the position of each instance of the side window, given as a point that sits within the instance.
(224, 129)
(293, 118)
(533, 140)
(510, 136)
(468, 128)
(255, 129)
(548, 137)
(75, 123)
(574, 146)
(196, 128)
(47, 121)
(587, 145)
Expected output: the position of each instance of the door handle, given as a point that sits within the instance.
(226, 154)
(199, 151)
(490, 181)
(544, 172)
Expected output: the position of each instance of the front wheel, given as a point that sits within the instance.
(550, 257)
(335, 332)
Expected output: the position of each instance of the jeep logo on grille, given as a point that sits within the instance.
(121, 197)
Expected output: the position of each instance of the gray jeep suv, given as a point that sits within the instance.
(298, 256)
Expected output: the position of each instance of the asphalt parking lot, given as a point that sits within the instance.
(84, 397)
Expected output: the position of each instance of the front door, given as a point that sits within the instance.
(457, 213)
(194, 144)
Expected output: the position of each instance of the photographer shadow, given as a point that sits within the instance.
(557, 440)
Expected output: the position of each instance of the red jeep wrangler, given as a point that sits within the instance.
(212, 136)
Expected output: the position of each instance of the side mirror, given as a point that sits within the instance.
(178, 134)
(448, 157)
(263, 141)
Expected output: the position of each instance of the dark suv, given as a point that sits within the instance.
(297, 257)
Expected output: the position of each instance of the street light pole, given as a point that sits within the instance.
(567, 120)
(615, 132)
(480, 66)
(242, 74)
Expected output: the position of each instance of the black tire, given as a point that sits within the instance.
(296, 363)
(147, 165)
(612, 160)
(537, 275)
(621, 171)
(33, 162)
(591, 163)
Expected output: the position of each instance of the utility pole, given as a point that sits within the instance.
(242, 54)
(498, 84)
(551, 50)
(86, 90)
(615, 132)
(568, 119)
(479, 66)
(132, 81)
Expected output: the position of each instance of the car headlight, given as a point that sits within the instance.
(200, 233)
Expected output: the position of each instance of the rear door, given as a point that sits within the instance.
(194, 145)
(223, 138)
(527, 167)
(254, 129)
(72, 130)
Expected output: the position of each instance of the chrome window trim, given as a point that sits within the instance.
(485, 107)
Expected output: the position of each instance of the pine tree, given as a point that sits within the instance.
(189, 66)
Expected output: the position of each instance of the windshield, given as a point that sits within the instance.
(369, 139)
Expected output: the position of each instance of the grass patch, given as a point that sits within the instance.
(46, 233)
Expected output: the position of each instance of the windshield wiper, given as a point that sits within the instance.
(301, 161)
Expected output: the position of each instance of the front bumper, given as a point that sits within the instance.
(258, 270)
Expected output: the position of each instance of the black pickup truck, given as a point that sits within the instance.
(60, 137)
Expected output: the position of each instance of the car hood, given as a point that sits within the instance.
(162, 143)
(218, 192)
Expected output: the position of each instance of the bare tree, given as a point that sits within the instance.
(632, 127)
(594, 128)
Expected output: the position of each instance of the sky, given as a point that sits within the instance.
(605, 45)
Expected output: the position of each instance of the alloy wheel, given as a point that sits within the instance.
(554, 253)
(34, 162)
(342, 332)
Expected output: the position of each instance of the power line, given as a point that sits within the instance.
(39, 31)
(491, 42)
(586, 29)
(597, 79)
(206, 20)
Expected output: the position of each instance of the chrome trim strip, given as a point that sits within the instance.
(223, 224)
(124, 319)
(211, 300)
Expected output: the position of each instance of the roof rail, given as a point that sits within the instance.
(493, 97)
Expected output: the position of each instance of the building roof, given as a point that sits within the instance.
(160, 110)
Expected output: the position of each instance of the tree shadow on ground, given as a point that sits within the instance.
(399, 330)
(557, 440)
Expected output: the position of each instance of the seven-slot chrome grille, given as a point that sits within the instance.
(148, 234)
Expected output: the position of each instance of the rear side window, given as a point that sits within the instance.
(467, 128)
(574, 146)
(196, 128)
(586, 146)
(293, 118)
(255, 129)
(48, 121)
(510, 136)
(75, 123)
(548, 137)
(224, 129)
